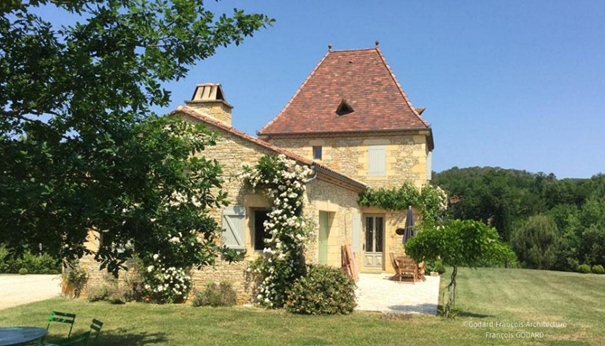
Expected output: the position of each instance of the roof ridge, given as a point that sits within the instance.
(405, 97)
(351, 50)
(193, 113)
(295, 94)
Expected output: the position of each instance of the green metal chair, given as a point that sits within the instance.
(62, 317)
(96, 328)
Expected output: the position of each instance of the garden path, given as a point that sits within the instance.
(22, 289)
(375, 292)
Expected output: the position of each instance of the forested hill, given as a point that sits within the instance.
(571, 212)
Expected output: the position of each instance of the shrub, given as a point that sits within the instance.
(133, 286)
(5, 259)
(75, 276)
(117, 295)
(598, 269)
(584, 268)
(322, 291)
(535, 243)
(215, 295)
(23, 271)
(98, 292)
(43, 264)
(435, 266)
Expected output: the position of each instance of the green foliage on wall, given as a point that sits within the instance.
(431, 201)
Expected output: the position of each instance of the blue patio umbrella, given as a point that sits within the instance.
(409, 225)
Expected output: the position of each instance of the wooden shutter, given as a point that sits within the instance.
(356, 227)
(234, 228)
(377, 161)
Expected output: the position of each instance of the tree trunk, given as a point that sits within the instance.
(451, 292)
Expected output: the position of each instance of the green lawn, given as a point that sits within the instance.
(485, 295)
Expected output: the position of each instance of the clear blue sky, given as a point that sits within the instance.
(514, 84)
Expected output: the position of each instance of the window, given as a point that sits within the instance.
(377, 160)
(260, 216)
(317, 153)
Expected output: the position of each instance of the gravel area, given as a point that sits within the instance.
(22, 289)
(375, 292)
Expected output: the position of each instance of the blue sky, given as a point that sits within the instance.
(514, 84)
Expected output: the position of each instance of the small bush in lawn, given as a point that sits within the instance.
(117, 296)
(215, 295)
(598, 269)
(323, 291)
(99, 292)
(23, 271)
(584, 269)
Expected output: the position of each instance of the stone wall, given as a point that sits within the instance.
(406, 156)
(340, 203)
(233, 152)
(214, 109)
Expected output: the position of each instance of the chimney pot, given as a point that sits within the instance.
(209, 100)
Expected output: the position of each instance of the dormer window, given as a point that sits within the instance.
(344, 108)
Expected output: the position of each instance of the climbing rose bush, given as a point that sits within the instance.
(166, 285)
(283, 262)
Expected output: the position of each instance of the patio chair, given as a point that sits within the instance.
(96, 328)
(395, 265)
(62, 317)
(408, 267)
(421, 269)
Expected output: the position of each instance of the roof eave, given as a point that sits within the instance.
(325, 133)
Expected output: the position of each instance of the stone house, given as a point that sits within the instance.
(352, 123)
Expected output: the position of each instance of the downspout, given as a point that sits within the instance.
(314, 168)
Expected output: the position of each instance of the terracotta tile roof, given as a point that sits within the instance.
(361, 77)
(300, 159)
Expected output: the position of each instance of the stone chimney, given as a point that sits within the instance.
(209, 100)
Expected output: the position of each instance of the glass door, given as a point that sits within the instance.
(374, 244)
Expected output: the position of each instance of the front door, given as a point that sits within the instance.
(324, 235)
(374, 254)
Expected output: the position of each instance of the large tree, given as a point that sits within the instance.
(80, 146)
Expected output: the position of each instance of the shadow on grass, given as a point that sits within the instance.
(125, 337)
(472, 314)
(429, 309)
(462, 313)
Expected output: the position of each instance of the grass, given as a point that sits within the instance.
(484, 295)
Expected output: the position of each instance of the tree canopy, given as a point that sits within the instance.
(80, 145)
(551, 223)
(458, 243)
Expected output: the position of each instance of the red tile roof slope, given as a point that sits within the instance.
(328, 171)
(361, 77)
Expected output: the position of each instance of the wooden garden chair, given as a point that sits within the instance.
(395, 265)
(421, 268)
(408, 267)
